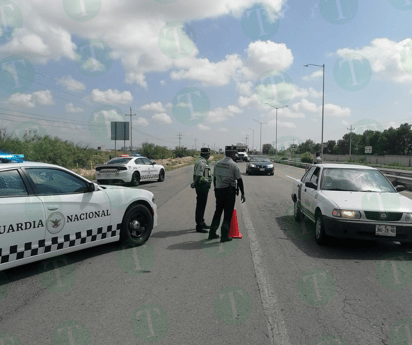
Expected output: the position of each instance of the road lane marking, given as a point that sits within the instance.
(276, 325)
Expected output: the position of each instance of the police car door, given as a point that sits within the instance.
(151, 169)
(74, 215)
(22, 221)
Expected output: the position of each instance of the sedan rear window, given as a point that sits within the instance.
(11, 184)
(119, 161)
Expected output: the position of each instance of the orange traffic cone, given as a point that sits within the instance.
(234, 227)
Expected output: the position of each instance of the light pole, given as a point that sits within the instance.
(285, 106)
(261, 123)
(253, 138)
(323, 103)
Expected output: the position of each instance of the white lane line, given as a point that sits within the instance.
(276, 325)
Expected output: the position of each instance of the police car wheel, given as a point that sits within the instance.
(135, 181)
(137, 225)
(161, 176)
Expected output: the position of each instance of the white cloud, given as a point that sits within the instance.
(43, 97)
(27, 100)
(162, 119)
(157, 107)
(282, 124)
(305, 106)
(203, 127)
(335, 110)
(223, 129)
(245, 88)
(70, 108)
(223, 114)
(111, 96)
(70, 84)
(163, 82)
(140, 122)
(346, 123)
(314, 75)
(315, 94)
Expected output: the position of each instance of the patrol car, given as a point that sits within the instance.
(47, 210)
(352, 201)
(130, 170)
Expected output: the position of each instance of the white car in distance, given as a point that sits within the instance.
(129, 170)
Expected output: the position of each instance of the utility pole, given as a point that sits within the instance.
(350, 139)
(261, 123)
(131, 129)
(180, 137)
(195, 143)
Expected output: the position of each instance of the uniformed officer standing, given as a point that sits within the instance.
(201, 181)
(318, 160)
(225, 175)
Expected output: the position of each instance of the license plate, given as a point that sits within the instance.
(262, 169)
(385, 230)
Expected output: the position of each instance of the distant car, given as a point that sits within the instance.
(242, 156)
(260, 165)
(129, 170)
(47, 210)
(352, 201)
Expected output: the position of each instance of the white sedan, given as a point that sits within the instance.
(47, 210)
(352, 201)
(129, 170)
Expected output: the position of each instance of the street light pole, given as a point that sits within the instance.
(253, 138)
(261, 123)
(285, 106)
(323, 104)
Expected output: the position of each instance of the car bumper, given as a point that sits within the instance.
(112, 178)
(258, 171)
(365, 230)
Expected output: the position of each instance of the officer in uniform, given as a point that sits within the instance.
(225, 175)
(201, 181)
(318, 160)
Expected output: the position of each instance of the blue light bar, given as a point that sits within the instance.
(12, 157)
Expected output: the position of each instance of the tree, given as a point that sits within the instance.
(266, 148)
(328, 147)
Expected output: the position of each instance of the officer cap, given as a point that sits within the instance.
(205, 150)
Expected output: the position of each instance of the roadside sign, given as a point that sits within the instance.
(368, 149)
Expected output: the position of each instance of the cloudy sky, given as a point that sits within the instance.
(207, 70)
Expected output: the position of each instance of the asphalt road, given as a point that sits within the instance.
(274, 286)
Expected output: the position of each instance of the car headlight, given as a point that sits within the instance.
(253, 166)
(270, 166)
(346, 214)
(408, 217)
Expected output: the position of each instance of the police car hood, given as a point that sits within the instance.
(368, 201)
(131, 192)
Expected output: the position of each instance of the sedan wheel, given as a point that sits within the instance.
(320, 235)
(296, 211)
(135, 179)
(161, 176)
(137, 225)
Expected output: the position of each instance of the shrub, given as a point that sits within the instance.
(306, 157)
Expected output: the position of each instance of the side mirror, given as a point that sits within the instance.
(310, 185)
(400, 188)
(153, 162)
(93, 187)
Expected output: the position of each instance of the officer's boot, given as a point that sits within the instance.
(213, 229)
(225, 232)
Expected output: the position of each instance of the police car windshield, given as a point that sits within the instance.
(119, 161)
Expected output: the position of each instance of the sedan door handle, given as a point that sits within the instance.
(53, 207)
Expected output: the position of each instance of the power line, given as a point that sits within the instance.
(131, 129)
(350, 139)
(180, 137)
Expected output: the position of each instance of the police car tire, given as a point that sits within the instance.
(161, 176)
(136, 212)
(135, 181)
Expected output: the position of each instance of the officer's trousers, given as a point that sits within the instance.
(225, 201)
(201, 201)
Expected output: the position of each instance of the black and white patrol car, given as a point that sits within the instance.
(130, 170)
(47, 210)
(352, 201)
